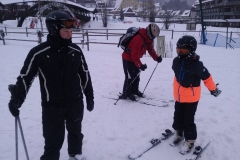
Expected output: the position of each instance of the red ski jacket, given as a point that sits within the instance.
(138, 47)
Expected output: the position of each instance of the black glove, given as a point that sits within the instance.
(90, 104)
(15, 101)
(159, 59)
(143, 67)
(13, 108)
(216, 92)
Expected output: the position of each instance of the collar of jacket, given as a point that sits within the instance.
(58, 42)
(189, 58)
(143, 33)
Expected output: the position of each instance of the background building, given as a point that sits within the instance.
(219, 13)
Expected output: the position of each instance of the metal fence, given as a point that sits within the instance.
(84, 35)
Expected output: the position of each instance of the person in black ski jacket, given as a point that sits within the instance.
(64, 80)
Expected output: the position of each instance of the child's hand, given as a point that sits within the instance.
(216, 92)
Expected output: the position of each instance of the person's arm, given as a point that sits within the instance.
(204, 74)
(86, 83)
(152, 51)
(24, 81)
(136, 46)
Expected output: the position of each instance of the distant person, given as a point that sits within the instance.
(189, 71)
(132, 64)
(64, 80)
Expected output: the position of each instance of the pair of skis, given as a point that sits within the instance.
(154, 142)
(157, 104)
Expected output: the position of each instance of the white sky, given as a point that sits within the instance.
(112, 132)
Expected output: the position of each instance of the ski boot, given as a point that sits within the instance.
(177, 139)
(187, 146)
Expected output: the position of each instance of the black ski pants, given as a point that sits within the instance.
(132, 78)
(54, 119)
(183, 120)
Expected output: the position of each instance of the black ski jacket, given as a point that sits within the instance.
(63, 73)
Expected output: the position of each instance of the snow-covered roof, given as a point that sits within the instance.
(125, 10)
(78, 5)
(174, 13)
(197, 2)
(221, 20)
(186, 13)
(4, 2)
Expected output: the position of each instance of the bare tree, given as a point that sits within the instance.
(143, 11)
(121, 15)
(166, 18)
(147, 10)
(151, 10)
(104, 15)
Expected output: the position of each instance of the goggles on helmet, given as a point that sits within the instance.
(68, 23)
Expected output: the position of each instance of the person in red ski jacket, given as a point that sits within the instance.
(132, 64)
(188, 71)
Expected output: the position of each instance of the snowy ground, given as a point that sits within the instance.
(114, 131)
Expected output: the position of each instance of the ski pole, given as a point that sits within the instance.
(24, 144)
(16, 138)
(128, 86)
(150, 78)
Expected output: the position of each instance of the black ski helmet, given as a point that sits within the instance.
(188, 42)
(57, 20)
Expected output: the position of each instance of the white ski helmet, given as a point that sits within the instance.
(153, 30)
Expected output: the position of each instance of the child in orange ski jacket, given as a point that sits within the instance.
(189, 72)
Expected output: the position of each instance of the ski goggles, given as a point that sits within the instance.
(69, 23)
(182, 50)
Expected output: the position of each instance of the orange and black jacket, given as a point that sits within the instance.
(189, 72)
(138, 47)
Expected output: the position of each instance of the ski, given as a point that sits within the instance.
(146, 103)
(145, 97)
(139, 101)
(198, 151)
(153, 143)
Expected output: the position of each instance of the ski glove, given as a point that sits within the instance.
(15, 102)
(90, 104)
(216, 92)
(13, 108)
(159, 59)
(143, 67)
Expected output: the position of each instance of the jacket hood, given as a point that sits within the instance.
(143, 32)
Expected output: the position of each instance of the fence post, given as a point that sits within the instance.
(230, 39)
(2, 35)
(87, 40)
(172, 34)
(107, 33)
(83, 35)
(215, 41)
(4, 41)
(6, 30)
(26, 32)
